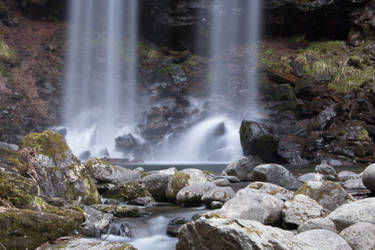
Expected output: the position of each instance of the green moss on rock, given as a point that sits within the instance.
(128, 191)
(13, 161)
(179, 181)
(17, 190)
(27, 229)
(47, 143)
(7, 55)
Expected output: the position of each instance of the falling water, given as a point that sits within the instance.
(234, 25)
(100, 72)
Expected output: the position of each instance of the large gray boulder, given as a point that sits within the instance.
(328, 172)
(58, 172)
(354, 212)
(301, 209)
(272, 189)
(107, 173)
(96, 222)
(360, 236)
(191, 195)
(249, 204)
(219, 195)
(328, 194)
(368, 177)
(323, 239)
(241, 168)
(354, 184)
(213, 232)
(317, 223)
(156, 184)
(183, 179)
(275, 174)
(307, 177)
(347, 175)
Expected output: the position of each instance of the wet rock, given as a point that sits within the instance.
(86, 243)
(368, 177)
(272, 189)
(328, 194)
(250, 204)
(183, 179)
(215, 198)
(143, 201)
(9, 146)
(317, 223)
(157, 184)
(328, 172)
(231, 179)
(175, 225)
(191, 195)
(275, 174)
(131, 145)
(214, 232)
(241, 168)
(84, 155)
(354, 137)
(354, 184)
(221, 182)
(301, 209)
(351, 213)
(360, 236)
(28, 229)
(111, 202)
(258, 140)
(323, 239)
(106, 173)
(347, 175)
(96, 222)
(307, 177)
(127, 191)
(119, 210)
(59, 173)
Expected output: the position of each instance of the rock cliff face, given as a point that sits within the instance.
(179, 23)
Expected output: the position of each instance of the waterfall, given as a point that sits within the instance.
(234, 26)
(101, 82)
(100, 73)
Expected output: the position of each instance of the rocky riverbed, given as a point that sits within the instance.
(51, 200)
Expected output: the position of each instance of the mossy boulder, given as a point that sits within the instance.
(119, 211)
(28, 229)
(183, 179)
(283, 92)
(19, 191)
(58, 171)
(127, 191)
(104, 172)
(13, 162)
(354, 137)
(258, 140)
(328, 194)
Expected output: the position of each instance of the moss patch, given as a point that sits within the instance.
(47, 143)
(128, 191)
(179, 181)
(7, 55)
(27, 229)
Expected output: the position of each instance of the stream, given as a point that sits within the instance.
(150, 232)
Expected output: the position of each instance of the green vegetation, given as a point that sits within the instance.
(47, 143)
(331, 62)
